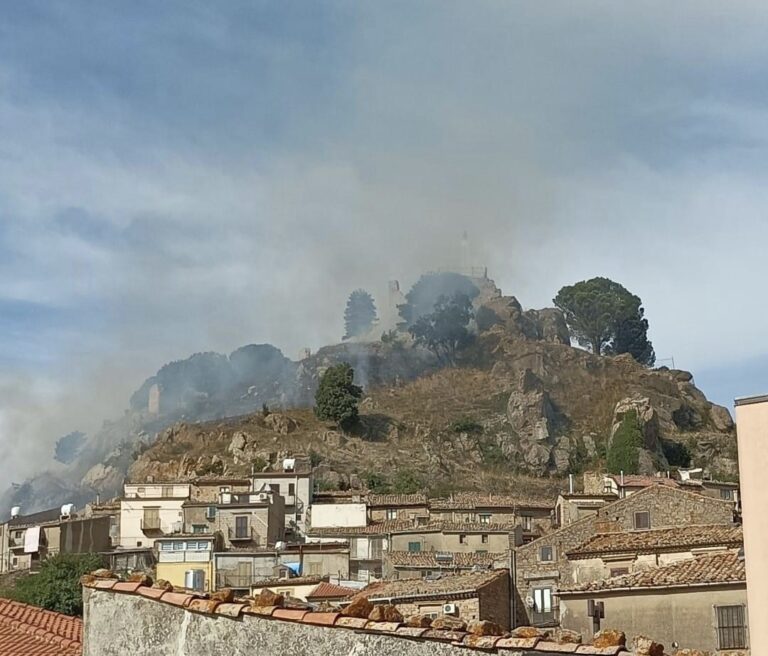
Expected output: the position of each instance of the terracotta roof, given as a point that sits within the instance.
(327, 590)
(446, 585)
(448, 560)
(378, 528)
(383, 500)
(295, 580)
(30, 631)
(457, 527)
(660, 539)
(473, 501)
(708, 569)
(242, 612)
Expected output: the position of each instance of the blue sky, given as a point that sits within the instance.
(187, 176)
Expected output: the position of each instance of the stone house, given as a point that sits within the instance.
(571, 507)
(454, 537)
(151, 510)
(296, 487)
(409, 565)
(542, 566)
(240, 569)
(535, 517)
(398, 507)
(473, 596)
(248, 520)
(615, 554)
(699, 602)
(209, 489)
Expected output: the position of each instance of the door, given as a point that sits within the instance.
(244, 574)
(543, 610)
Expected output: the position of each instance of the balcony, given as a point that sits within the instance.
(16, 543)
(545, 618)
(247, 534)
(150, 524)
(237, 581)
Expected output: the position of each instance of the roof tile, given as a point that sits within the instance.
(230, 610)
(481, 642)
(555, 647)
(104, 584)
(352, 622)
(517, 643)
(151, 593)
(264, 611)
(410, 631)
(177, 598)
(445, 585)
(385, 627)
(203, 605)
(444, 636)
(289, 614)
(321, 619)
(127, 586)
(30, 631)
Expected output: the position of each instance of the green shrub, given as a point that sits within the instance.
(337, 396)
(407, 482)
(376, 483)
(466, 425)
(622, 454)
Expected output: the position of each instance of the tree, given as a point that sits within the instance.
(359, 314)
(423, 296)
(632, 337)
(57, 585)
(444, 331)
(605, 316)
(623, 453)
(337, 396)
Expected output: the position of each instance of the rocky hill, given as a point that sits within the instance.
(521, 409)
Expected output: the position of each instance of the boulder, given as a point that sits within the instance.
(103, 573)
(385, 613)
(267, 598)
(419, 621)
(280, 423)
(567, 637)
(225, 595)
(609, 638)
(449, 623)
(530, 412)
(644, 646)
(721, 418)
(359, 607)
(238, 443)
(140, 577)
(485, 628)
(162, 584)
(529, 632)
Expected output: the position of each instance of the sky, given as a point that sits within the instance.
(189, 176)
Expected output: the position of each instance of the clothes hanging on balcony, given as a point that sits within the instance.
(32, 540)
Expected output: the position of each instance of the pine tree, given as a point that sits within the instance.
(360, 314)
(337, 396)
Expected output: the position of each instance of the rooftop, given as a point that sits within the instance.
(474, 501)
(446, 585)
(438, 559)
(377, 528)
(43, 517)
(30, 631)
(635, 480)
(711, 569)
(326, 590)
(384, 500)
(296, 580)
(660, 539)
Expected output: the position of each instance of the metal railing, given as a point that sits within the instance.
(545, 618)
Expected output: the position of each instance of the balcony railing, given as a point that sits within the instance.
(16, 543)
(150, 524)
(247, 534)
(545, 618)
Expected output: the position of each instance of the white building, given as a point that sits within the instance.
(331, 515)
(294, 486)
(149, 511)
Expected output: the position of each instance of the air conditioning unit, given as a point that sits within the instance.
(263, 496)
(450, 609)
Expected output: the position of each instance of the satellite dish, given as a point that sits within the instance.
(530, 602)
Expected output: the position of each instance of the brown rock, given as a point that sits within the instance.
(267, 598)
(449, 623)
(529, 632)
(566, 636)
(385, 613)
(419, 621)
(296, 604)
(609, 638)
(162, 584)
(226, 595)
(104, 573)
(485, 628)
(87, 579)
(646, 647)
(359, 607)
(140, 577)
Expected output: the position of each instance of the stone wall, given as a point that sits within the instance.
(667, 507)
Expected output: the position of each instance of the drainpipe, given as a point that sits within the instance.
(570, 483)
(512, 589)
(622, 492)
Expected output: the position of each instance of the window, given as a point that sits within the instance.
(138, 543)
(726, 495)
(199, 528)
(484, 538)
(462, 538)
(414, 547)
(642, 520)
(526, 521)
(224, 489)
(731, 627)
(141, 490)
(275, 487)
(291, 489)
(210, 513)
(546, 554)
(543, 611)
(166, 546)
(391, 513)
(241, 526)
(485, 519)
(619, 571)
(178, 546)
(166, 491)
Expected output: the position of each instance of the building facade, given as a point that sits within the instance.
(151, 510)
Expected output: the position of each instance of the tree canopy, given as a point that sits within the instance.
(444, 331)
(359, 314)
(623, 455)
(606, 317)
(422, 297)
(337, 396)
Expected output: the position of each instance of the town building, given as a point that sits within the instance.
(455, 537)
(295, 484)
(428, 564)
(245, 520)
(182, 552)
(474, 596)
(240, 569)
(542, 566)
(129, 561)
(573, 506)
(398, 507)
(337, 511)
(330, 593)
(109, 509)
(297, 587)
(30, 539)
(752, 437)
(151, 510)
(535, 517)
(698, 602)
